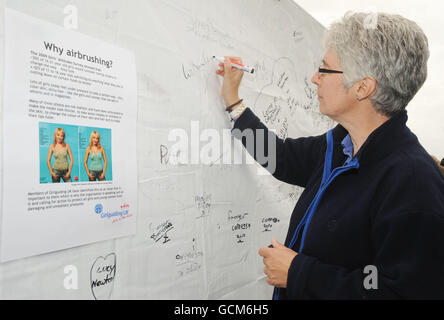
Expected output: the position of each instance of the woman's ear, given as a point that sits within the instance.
(366, 88)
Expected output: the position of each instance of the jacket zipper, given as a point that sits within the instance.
(354, 164)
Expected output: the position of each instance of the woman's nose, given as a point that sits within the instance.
(315, 78)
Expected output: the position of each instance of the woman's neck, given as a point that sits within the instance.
(360, 124)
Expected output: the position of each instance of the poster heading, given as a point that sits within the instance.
(77, 54)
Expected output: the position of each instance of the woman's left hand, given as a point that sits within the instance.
(277, 261)
(102, 176)
(68, 175)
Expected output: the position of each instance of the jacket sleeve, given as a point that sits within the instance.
(293, 161)
(409, 258)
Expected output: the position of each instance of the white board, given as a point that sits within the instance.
(188, 244)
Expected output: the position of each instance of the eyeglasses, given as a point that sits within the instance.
(322, 70)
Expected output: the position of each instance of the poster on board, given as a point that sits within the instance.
(69, 139)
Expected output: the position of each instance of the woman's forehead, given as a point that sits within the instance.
(331, 58)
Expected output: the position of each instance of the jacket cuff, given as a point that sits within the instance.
(247, 120)
(298, 276)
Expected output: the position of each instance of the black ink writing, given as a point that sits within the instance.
(103, 272)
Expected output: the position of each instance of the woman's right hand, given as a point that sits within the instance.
(53, 175)
(232, 80)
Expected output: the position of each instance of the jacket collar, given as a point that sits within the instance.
(380, 142)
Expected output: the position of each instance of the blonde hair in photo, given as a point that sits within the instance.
(55, 135)
(94, 133)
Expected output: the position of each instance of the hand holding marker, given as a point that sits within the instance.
(236, 65)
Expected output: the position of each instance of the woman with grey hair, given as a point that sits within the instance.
(370, 222)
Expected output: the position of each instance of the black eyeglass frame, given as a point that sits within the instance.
(322, 70)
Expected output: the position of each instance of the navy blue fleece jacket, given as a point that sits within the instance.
(385, 210)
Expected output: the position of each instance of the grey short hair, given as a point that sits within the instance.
(394, 51)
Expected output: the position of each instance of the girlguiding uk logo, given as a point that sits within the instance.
(98, 209)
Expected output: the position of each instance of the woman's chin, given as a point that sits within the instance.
(326, 111)
(322, 108)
